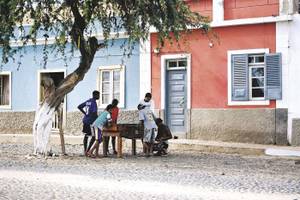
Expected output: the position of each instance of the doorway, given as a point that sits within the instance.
(57, 76)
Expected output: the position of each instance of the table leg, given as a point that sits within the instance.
(133, 147)
(119, 146)
(104, 146)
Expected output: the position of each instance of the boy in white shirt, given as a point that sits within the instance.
(147, 102)
(147, 118)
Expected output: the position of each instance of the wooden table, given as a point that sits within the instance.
(113, 133)
(128, 131)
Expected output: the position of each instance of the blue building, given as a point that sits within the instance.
(112, 73)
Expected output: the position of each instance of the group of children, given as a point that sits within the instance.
(155, 137)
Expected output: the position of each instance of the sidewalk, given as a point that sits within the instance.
(183, 145)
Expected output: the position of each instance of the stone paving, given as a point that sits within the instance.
(179, 176)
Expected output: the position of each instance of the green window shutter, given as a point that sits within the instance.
(274, 76)
(239, 74)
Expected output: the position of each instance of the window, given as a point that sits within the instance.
(111, 85)
(254, 77)
(298, 6)
(176, 64)
(5, 89)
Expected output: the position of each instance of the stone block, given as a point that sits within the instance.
(255, 125)
(16, 122)
(281, 115)
(295, 132)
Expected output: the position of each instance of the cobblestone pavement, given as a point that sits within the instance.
(188, 175)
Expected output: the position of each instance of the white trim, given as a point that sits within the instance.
(176, 68)
(51, 40)
(218, 11)
(241, 103)
(245, 21)
(286, 7)
(41, 71)
(145, 67)
(257, 65)
(7, 107)
(219, 23)
(248, 21)
(163, 77)
(122, 84)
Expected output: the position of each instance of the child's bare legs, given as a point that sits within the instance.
(145, 148)
(148, 148)
(90, 153)
(95, 146)
(113, 142)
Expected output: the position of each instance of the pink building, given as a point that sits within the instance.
(234, 89)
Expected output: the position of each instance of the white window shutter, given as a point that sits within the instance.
(274, 76)
(239, 64)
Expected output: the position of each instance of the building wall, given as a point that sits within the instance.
(25, 76)
(16, 122)
(209, 65)
(288, 42)
(24, 80)
(292, 81)
(239, 125)
(204, 7)
(238, 9)
(210, 116)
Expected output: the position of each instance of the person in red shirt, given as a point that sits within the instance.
(114, 117)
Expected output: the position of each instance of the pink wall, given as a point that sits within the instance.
(209, 65)
(236, 9)
(204, 7)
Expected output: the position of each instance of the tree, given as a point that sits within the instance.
(73, 22)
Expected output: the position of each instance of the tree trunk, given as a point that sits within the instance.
(42, 127)
(54, 96)
(61, 130)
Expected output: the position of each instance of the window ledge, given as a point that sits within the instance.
(6, 107)
(245, 103)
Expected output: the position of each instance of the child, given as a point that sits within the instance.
(89, 109)
(164, 134)
(104, 118)
(114, 118)
(147, 102)
(146, 118)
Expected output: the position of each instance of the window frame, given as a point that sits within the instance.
(257, 65)
(10, 91)
(122, 84)
(177, 63)
(229, 75)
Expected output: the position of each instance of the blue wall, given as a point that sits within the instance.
(25, 79)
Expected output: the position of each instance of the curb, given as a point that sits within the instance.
(182, 145)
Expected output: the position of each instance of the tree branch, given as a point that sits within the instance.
(68, 84)
(78, 27)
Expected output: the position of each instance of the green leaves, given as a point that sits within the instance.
(78, 20)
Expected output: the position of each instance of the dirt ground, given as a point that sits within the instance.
(189, 175)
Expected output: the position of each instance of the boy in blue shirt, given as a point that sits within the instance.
(89, 108)
(103, 119)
